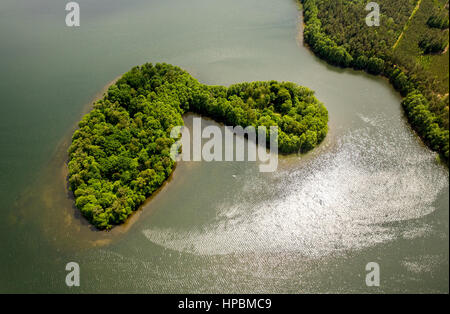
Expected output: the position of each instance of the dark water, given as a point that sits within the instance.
(370, 193)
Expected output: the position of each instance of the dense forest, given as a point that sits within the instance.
(120, 154)
(408, 48)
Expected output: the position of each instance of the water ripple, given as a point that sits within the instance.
(347, 198)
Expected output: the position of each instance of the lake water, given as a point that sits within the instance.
(370, 193)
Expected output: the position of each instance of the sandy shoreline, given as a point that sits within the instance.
(75, 215)
(61, 221)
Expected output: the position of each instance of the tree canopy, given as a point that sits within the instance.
(337, 32)
(120, 155)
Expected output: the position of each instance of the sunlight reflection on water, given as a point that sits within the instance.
(342, 199)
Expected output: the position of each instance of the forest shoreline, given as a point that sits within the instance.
(433, 137)
(120, 154)
(62, 149)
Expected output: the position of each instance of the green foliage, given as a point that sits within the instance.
(400, 80)
(438, 21)
(423, 120)
(336, 28)
(433, 44)
(375, 65)
(361, 63)
(121, 153)
(319, 42)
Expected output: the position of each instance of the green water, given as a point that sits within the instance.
(370, 193)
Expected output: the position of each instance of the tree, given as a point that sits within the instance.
(120, 154)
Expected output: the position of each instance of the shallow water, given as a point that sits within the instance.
(370, 193)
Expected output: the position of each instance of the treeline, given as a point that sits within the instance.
(337, 32)
(121, 153)
(436, 41)
(320, 43)
(302, 120)
(417, 109)
(433, 44)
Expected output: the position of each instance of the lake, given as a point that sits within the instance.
(371, 192)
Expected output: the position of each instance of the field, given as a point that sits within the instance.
(435, 65)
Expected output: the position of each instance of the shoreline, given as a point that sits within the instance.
(294, 141)
(301, 41)
(60, 221)
(58, 199)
